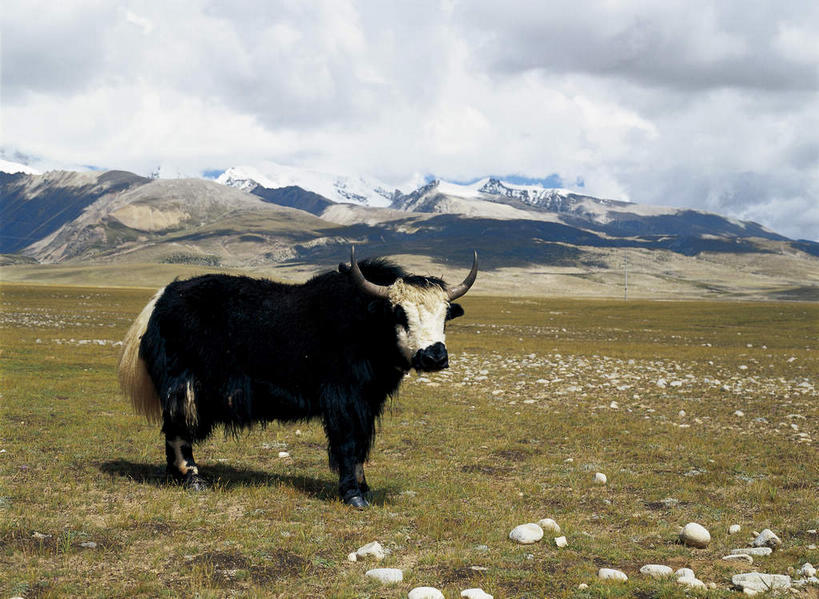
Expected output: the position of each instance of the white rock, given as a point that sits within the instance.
(807, 570)
(352, 557)
(757, 551)
(373, 549)
(600, 478)
(561, 541)
(284, 454)
(767, 539)
(88, 544)
(684, 573)
(385, 575)
(425, 593)
(476, 594)
(738, 557)
(611, 574)
(582, 586)
(526, 534)
(734, 529)
(695, 535)
(757, 582)
(691, 582)
(739, 413)
(656, 570)
(550, 526)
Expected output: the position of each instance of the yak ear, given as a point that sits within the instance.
(454, 311)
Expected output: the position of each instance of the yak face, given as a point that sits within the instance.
(420, 315)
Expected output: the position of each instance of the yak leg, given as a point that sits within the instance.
(179, 454)
(349, 435)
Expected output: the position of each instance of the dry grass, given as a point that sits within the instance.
(461, 458)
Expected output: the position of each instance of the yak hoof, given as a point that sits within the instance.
(358, 502)
(194, 482)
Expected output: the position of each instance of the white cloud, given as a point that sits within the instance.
(692, 103)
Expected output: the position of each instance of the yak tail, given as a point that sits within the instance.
(134, 379)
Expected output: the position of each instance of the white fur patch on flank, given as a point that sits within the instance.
(425, 308)
(134, 379)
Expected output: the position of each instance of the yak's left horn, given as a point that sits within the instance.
(459, 290)
(362, 283)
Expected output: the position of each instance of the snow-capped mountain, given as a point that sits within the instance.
(364, 191)
(7, 166)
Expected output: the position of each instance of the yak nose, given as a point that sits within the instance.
(432, 358)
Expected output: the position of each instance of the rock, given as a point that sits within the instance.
(88, 544)
(656, 570)
(757, 582)
(807, 570)
(734, 529)
(684, 573)
(425, 593)
(526, 534)
(373, 549)
(385, 575)
(600, 478)
(352, 557)
(757, 551)
(692, 582)
(475, 594)
(549, 526)
(611, 574)
(695, 535)
(582, 586)
(284, 454)
(739, 557)
(767, 539)
(561, 541)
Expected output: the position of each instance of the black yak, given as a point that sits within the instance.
(231, 350)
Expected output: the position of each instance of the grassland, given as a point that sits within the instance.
(512, 433)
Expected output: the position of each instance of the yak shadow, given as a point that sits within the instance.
(227, 477)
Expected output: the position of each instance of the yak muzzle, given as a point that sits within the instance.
(431, 358)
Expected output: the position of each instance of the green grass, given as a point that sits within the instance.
(512, 433)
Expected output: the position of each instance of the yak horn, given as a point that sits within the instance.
(364, 284)
(459, 290)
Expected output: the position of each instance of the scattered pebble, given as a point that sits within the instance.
(691, 581)
(807, 570)
(739, 557)
(600, 478)
(425, 593)
(656, 570)
(476, 594)
(526, 534)
(385, 575)
(695, 535)
(284, 454)
(88, 544)
(582, 586)
(756, 551)
(549, 525)
(373, 549)
(611, 574)
(561, 541)
(739, 413)
(734, 529)
(752, 583)
(684, 573)
(767, 539)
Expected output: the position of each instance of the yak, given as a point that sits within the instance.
(234, 350)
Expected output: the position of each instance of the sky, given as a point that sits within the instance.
(705, 105)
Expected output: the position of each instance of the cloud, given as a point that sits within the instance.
(695, 104)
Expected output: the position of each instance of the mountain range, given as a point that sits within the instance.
(267, 216)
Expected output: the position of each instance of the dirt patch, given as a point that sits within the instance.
(486, 469)
(511, 455)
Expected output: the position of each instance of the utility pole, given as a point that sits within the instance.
(625, 273)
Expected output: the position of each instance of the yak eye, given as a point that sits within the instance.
(401, 317)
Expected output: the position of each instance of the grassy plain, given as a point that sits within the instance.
(512, 433)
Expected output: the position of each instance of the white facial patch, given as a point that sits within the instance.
(426, 310)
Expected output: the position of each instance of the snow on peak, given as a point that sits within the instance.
(7, 166)
(361, 190)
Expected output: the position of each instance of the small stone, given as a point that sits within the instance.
(738, 557)
(611, 574)
(739, 413)
(284, 454)
(756, 551)
(561, 541)
(476, 594)
(526, 534)
(550, 526)
(352, 557)
(695, 535)
(582, 586)
(425, 593)
(756, 582)
(767, 539)
(656, 570)
(385, 575)
(684, 573)
(373, 549)
(807, 570)
(691, 582)
(88, 544)
(600, 478)
(734, 529)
